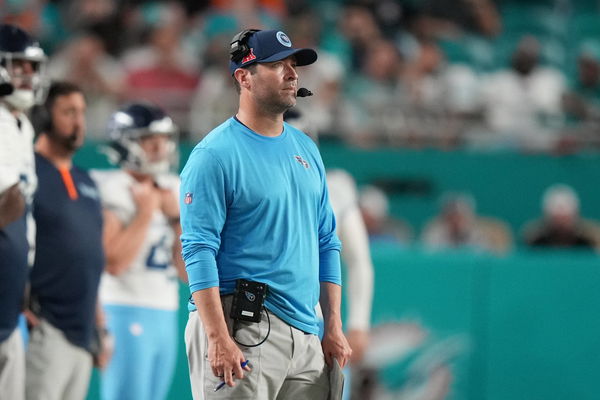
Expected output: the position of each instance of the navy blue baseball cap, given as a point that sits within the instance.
(269, 46)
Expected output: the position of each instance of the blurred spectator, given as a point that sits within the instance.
(215, 98)
(25, 14)
(440, 95)
(421, 73)
(436, 85)
(459, 227)
(522, 105)
(322, 112)
(561, 225)
(227, 16)
(359, 28)
(373, 98)
(381, 226)
(85, 62)
(161, 71)
(390, 15)
(438, 18)
(582, 101)
(86, 13)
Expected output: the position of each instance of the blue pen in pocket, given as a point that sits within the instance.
(220, 385)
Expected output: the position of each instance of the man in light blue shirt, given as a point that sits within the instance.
(255, 206)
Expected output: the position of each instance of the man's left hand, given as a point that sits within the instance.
(105, 350)
(336, 346)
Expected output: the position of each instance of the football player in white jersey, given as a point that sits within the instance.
(21, 82)
(357, 259)
(139, 289)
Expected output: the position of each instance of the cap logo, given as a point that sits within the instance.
(284, 39)
(249, 57)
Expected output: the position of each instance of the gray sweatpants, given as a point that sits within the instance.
(56, 369)
(12, 367)
(289, 365)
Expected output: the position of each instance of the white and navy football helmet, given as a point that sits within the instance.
(128, 126)
(19, 89)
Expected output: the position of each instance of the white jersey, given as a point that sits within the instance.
(151, 280)
(17, 163)
(355, 247)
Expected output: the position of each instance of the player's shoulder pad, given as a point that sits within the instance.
(342, 184)
(108, 179)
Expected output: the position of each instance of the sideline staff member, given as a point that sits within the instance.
(69, 257)
(255, 206)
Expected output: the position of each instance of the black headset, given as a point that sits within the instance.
(239, 45)
(41, 120)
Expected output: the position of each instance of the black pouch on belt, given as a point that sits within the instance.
(248, 300)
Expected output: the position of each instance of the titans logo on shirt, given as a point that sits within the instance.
(302, 161)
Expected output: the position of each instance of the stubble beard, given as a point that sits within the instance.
(277, 107)
(70, 143)
(273, 102)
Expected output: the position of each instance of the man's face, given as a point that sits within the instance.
(459, 217)
(274, 85)
(563, 220)
(156, 146)
(68, 120)
(21, 72)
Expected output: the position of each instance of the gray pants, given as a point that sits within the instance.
(12, 367)
(56, 369)
(289, 365)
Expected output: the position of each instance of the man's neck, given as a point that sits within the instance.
(261, 122)
(55, 153)
(139, 176)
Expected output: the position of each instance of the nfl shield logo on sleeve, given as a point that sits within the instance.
(189, 197)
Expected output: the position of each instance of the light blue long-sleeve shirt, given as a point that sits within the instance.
(257, 208)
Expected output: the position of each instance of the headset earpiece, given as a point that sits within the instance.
(239, 44)
(41, 119)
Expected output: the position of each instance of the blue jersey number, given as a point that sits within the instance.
(159, 256)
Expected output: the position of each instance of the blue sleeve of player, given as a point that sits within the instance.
(203, 211)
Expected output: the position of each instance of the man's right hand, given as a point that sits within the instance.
(31, 318)
(12, 205)
(226, 359)
(146, 197)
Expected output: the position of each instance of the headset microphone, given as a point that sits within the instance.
(303, 92)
